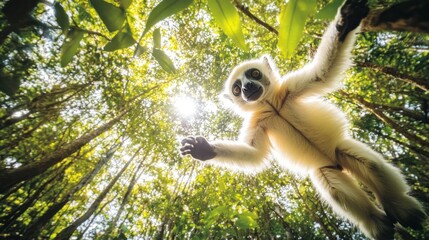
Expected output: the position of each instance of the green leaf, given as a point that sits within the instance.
(247, 220)
(157, 38)
(228, 19)
(163, 60)
(292, 20)
(70, 46)
(163, 10)
(140, 50)
(113, 17)
(121, 40)
(61, 17)
(330, 10)
(215, 213)
(125, 3)
(8, 84)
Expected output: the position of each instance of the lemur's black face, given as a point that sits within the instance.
(250, 82)
(250, 87)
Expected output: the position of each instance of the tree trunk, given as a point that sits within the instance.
(10, 219)
(25, 133)
(286, 225)
(10, 177)
(138, 172)
(36, 226)
(312, 212)
(82, 233)
(46, 103)
(411, 16)
(419, 82)
(68, 231)
(10, 121)
(380, 115)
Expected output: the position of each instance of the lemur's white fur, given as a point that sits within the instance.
(311, 136)
(310, 129)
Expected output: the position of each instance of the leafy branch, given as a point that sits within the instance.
(244, 9)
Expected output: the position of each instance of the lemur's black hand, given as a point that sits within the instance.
(352, 12)
(198, 148)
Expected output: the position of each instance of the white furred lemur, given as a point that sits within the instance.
(284, 117)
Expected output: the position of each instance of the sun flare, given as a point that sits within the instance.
(184, 106)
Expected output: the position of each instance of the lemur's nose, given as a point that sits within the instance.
(250, 86)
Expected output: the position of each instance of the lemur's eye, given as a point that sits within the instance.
(256, 74)
(236, 88)
(253, 74)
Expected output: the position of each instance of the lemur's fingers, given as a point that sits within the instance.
(189, 140)
(186, 148)
(183, 153)
(198, 147)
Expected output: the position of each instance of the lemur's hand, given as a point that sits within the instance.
(352, 12)
(198, 148)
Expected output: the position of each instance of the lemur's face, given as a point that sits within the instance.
(250, 86)
(249, 83)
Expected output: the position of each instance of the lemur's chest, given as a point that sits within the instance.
(307, 116)
(299, 124)
(272, 109)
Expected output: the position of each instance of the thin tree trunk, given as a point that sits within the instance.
(161, 232)
(82, 233)
(10, 219)
(418, 150)
(312, 213)
(45, 103)
(380, 115)
(9, 192)
(138, 172)
(24, 134)
(10, 121)
(10, 177)
(419, 82)
(68, 231)
(286, 225)
(36, 226)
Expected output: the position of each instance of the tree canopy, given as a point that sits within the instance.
(94, 96)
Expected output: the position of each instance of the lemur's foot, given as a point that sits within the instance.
(405, 210)
(352, 12)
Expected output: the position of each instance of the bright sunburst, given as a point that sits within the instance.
(184, 106)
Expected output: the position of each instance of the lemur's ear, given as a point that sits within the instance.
(268, 62)
(225, 97)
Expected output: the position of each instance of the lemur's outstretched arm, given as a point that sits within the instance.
(247, 154)
(333, 55)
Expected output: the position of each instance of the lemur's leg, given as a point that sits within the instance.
(384, 180)
(348, 200)
(333, 56)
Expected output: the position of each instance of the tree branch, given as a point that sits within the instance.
(408, 16)
(91, 32)
(419, 82)
(411, 16)
(246, 11)
(387, 120)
